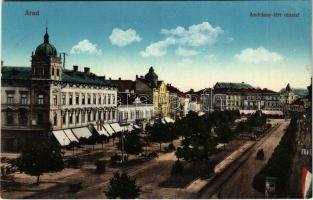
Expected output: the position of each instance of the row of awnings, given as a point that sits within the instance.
(167, 120)
(266, 112)
(66, 136)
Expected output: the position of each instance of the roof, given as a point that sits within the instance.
(175, 90)
(69, 76)
(46, 49)
(258, 91)
(228, 85)
(302, 92)
(299, 101)
(124, 85)
(84, 78)
(16, 73)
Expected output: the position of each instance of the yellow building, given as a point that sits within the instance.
(161, 100)
(156, 90)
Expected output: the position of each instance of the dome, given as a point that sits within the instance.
(46, 49)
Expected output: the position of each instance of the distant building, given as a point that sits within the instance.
(155, 91)
(46, 97)
(134, 108)
(177, 101)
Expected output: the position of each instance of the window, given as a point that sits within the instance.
(113, 115)
(23, 118)
(83, 99)
(24, 99)
(77, 99)
(89, 99)
(105, 99)
(113, 99)
(63, 99)
(52, 71)
(104, 115)
(109, 99)
(137, 114)
(55, 119)
(77, 117)
(94, 115)
(10, 119)
(94, 99)
(99, 99)
(55, 100)
(40, 99)
(71, 99)
(131, 114)
(89, 117)
(109, 115)
(10, 99)
(63, 118)
(58, 72)
(71, 118)
(83, 117)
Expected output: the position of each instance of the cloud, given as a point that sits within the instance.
(259, 55)
(195, 35)
(157, 49)
(185, 52)
(185, 62)
(122, 38)
(85, 46)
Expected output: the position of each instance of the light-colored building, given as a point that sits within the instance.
(46, 97)
(134, 108)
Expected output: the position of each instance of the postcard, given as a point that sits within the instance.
(156, 99)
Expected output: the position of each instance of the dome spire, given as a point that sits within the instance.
(46, 37)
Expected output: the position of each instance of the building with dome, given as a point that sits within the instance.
(46, 98)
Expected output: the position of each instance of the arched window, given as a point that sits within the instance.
(10, 118)
(23, 117)
(55, 119)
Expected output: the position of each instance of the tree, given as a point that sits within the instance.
(132, 143)
(38, 158)
(160, 133)
(224, 134)
(123, 187)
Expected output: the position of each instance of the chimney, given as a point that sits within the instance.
(110, 78)
(102, 77)
(119, 78)
(75, 68)
(86, 70)
(1, 63)
(141, 76)
(136, 76)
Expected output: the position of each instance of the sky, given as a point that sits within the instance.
(189, 44)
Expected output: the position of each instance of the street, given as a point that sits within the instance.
(238, 183)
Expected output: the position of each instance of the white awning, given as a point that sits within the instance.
(116, 127)
(201, 114)
(130, 128)
(82, 132)
(136, 126)
(272, 112)
(108, 129)
(247, 112)
(103, 132)
(168, 120)
(70, 135)
(61, 137)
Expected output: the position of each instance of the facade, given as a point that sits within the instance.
(261, 99)
(155, 90)
(151, 89)
(177, 101)
(134, 108)
(45, 97)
